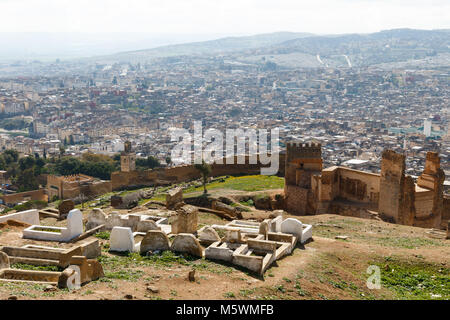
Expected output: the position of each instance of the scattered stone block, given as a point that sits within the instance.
(96, 218)
(173, 197)
(155, 240)
(4, 261)
(64, 208)
(208, 235)
(186, 220)
(153, 289)
(187, 243)
(220, 206)
(191, 276)
(341, 237)
(116, 201)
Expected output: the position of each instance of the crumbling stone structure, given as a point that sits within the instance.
(397, 192)
(432, 179)
(391, 195)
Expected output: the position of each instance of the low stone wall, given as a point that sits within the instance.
(12, 199)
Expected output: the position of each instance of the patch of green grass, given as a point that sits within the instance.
(103, 235)
(299, 289)
(407, 242)
(244, 183)
(246, 292)
(416, 280)
(24, 266)
(229, 295)
(280, 288)
(248, 203)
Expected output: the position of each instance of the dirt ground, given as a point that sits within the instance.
(324, 268)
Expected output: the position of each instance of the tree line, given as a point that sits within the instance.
(24, 172)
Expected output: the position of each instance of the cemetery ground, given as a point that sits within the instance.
(414, 262)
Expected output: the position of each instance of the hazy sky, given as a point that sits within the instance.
(221, 16)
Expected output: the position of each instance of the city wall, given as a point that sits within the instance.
(34, 195)
(120, 179)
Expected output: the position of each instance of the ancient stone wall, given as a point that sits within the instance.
(432, 179)
(183, 173)
(358, 186)
(34, 195)
(445, 212)
(302, 166)
(296, 199)
(391, 185)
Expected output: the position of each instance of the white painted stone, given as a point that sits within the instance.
(219, 251)
(121, 239)
(74, 229)
(74, 224)
(275, 224)
(292, 226)
(27, 216)
(307, 233)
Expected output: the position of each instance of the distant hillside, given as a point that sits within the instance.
(386, 49)
(288, 49)
(218, 46)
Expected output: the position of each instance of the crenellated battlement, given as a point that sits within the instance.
(302, 150)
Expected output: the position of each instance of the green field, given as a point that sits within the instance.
(244, 183)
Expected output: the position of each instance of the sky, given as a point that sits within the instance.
(230, 17)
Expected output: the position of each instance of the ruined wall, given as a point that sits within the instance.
(407, 210)
(391, 185)
(34, 195)
(347, 185)
(432, 179)
(296, 199)
(358, 186)
(445, 212)
(423, 201)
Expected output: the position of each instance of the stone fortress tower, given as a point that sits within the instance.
(390, 195)
(127, 159)
(303, 160)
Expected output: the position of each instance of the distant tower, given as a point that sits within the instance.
(127, 158)
(427, 127)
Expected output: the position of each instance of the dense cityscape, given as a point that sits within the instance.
(134, 166)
